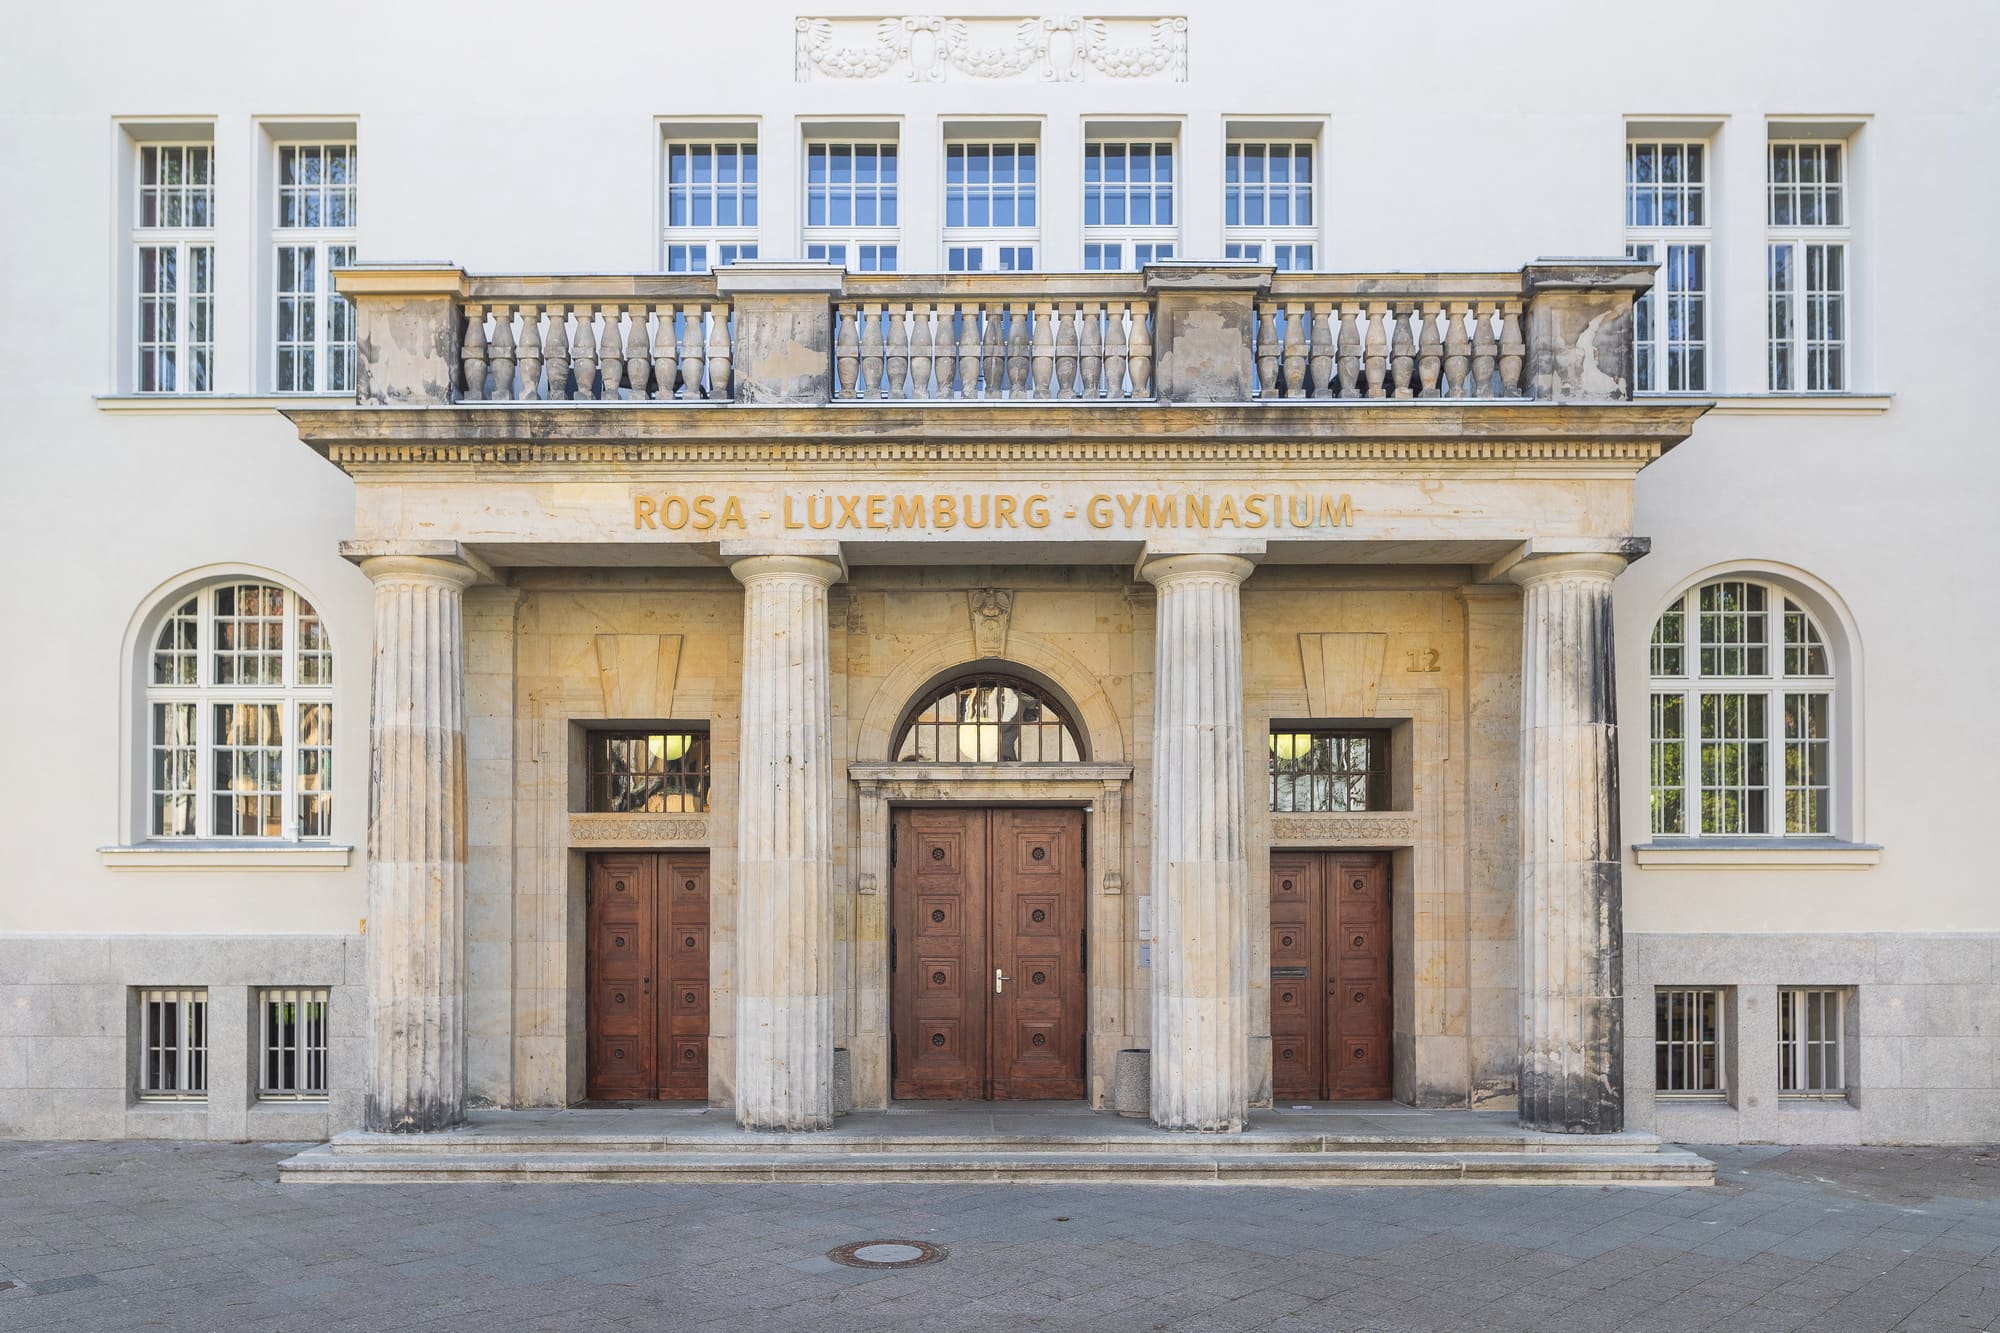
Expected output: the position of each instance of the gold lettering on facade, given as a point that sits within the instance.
(1197, 511)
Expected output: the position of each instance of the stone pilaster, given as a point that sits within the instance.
(416, 846)
(1571, 913)
(784, 860)
(1200, 876)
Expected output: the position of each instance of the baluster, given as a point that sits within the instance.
(583, 354)
(1430, 352)
(639, 360)
(971, 329)
(500, 353)
(719, 386)
(1403, 355)
(1066, 352)
(1090, 352)
(1142, 352)
(555, 353)
(1347, 349)
(693, 338)
(871, 350)
(1117, 352)
(610, 356)
(897, 353)
(1457, 349)
(1017, 350)
(944, 353)
(1319, 353)
(472, 354)
(528, 352)
(992, 351)
(920, 351)
(1042, 356)
(1513, 350)
(1264, 348)
(1483, 350)
(1375, 351)
(1295, 350)
(659, 335)
(847, 352)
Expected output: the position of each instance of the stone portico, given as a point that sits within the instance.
(767, 510)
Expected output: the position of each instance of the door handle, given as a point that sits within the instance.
(999, 978)
(649, 985)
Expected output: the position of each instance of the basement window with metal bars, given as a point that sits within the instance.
(647, 772)
(294, 1045)
(1687, 1042)
(1810, 1028)
(1321, 771)
(173, 1045)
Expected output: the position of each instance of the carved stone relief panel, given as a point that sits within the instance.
(931, 48)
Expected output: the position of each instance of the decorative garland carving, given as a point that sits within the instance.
(1343, 828)
(636, 828)
(929, 47)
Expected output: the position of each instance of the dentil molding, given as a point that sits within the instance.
(930, 48)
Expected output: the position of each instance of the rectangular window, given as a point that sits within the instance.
(989, 259)
(653, 772)
(992, 215)
(1317, 771)
(173, 239)
(1667, 222)
(312, 325)
(1806, 267)
(851, 195)
(175, 770)
(1810, 1054)
(1808, 764)
(1128, 203)
(315, 775)
(294, 1045)
(1669, 763)
(1270, 214)
(711, 204)
(1733, 759)
(248, 754)
(173, 1045)
(1285, 258)
(1687, 1042)
(857, 256)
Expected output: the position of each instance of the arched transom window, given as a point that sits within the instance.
(1742, 712)
(239, 705)
(988, 719)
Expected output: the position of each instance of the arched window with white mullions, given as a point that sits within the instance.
(1743, 714)
(239, 716)
(988, 718)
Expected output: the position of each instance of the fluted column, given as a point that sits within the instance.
(1200, 877)
(784, 859)
(1571, 913)
(416, 846)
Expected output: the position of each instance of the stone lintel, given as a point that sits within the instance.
(1207, 275)
(786, 277)
(1540, 552)
(434, 278)
(1587, 274)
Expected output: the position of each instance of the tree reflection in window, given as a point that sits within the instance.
(1316, 771)
(648, 772)
(989, 720)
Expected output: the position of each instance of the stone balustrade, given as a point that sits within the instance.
(795, 333)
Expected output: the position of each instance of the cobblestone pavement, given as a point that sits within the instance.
(166, 1236)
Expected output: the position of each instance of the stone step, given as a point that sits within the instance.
(1667, 1166)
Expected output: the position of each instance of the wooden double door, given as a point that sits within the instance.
(646, 976)
(1331, 1011)
(987, 953)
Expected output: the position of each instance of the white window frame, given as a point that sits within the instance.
(1265, 242)
(1682, 688)
(1796, 307)
(330, 341)
(1795, 1052)
(823, 238)
(990, 247)
(304, 1049)
(1685, 283)
(191, 340)
(188, 1043)
(1683, 1036)
(1136, 244)
(195, 751)
(703, 247)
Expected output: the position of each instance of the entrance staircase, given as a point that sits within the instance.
(985, 1143)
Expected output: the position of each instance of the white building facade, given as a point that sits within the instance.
(787, 517)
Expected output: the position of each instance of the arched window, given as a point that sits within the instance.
(1742, 715)
(988, 719)
(239, 716)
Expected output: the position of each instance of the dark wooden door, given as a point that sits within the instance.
(1331, 986)
(646, 976)
(988, 953)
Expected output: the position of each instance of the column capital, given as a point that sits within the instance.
(419, 569)
(437, 559)
(1605, 565)
(820, 562)
(1235, 564)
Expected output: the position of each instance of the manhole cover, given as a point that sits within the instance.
(886, 1254)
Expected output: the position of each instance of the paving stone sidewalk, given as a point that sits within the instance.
(199, 1236)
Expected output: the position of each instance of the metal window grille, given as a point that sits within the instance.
(655, 772)
(989, 720)
(1810, 1054)
(1687, 1042)
(173, 1045)
(294, 1045)
(1321, 771)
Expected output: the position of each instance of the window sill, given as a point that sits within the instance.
(145, 403)
(226, 856)
(1784, 404)
(1756, 854)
